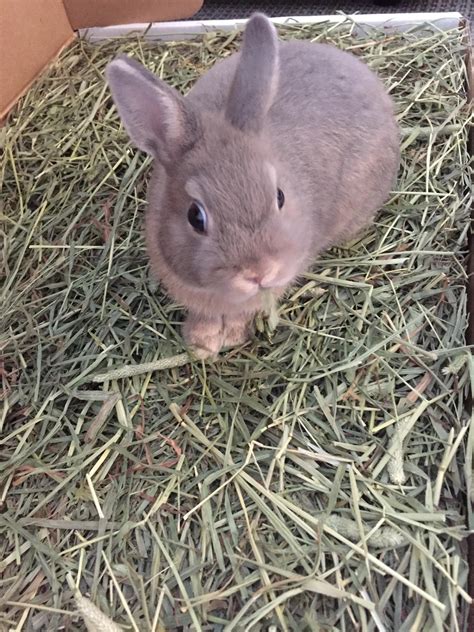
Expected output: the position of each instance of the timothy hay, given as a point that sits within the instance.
(314, 479)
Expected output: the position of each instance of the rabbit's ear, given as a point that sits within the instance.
(155, 115)
(256, 77)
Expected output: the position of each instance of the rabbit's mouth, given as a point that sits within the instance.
(245, 290)
(264, 274)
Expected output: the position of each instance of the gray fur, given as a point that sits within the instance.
(153, 113)
(251, 93)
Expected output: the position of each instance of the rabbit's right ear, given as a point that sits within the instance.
(256, 77)
(155, 115)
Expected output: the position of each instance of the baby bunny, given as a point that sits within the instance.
(277, 153)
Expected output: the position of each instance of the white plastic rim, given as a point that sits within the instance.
(175, 31)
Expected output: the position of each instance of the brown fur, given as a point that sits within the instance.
(306, 118)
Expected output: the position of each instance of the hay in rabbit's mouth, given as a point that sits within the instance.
(314, 479)
(269, 317)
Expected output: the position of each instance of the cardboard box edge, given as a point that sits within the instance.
(6, 110)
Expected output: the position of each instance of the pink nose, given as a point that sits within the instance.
(262, 279)
(262, 274)
(254, 277)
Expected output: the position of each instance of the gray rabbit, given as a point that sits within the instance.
(278, 152)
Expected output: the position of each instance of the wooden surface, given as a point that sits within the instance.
(31, 34)
(87, 13)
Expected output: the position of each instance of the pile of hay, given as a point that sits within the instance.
(314, 479)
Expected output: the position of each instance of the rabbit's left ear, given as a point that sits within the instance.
(256, 77)
(156, 117)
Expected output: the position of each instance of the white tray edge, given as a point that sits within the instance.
(188, 28)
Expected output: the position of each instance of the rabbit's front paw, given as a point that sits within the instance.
(236, 331)
(204, 336)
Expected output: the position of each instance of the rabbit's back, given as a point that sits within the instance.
(331, 128)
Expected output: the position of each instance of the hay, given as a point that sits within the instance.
(313, 479)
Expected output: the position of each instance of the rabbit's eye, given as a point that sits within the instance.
(197, 217)
(280, 198)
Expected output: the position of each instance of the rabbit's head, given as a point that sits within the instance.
(224, 218)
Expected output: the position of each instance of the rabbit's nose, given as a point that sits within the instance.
(254, 277)
(264, 277)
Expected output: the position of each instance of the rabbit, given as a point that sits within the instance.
(277, 153)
